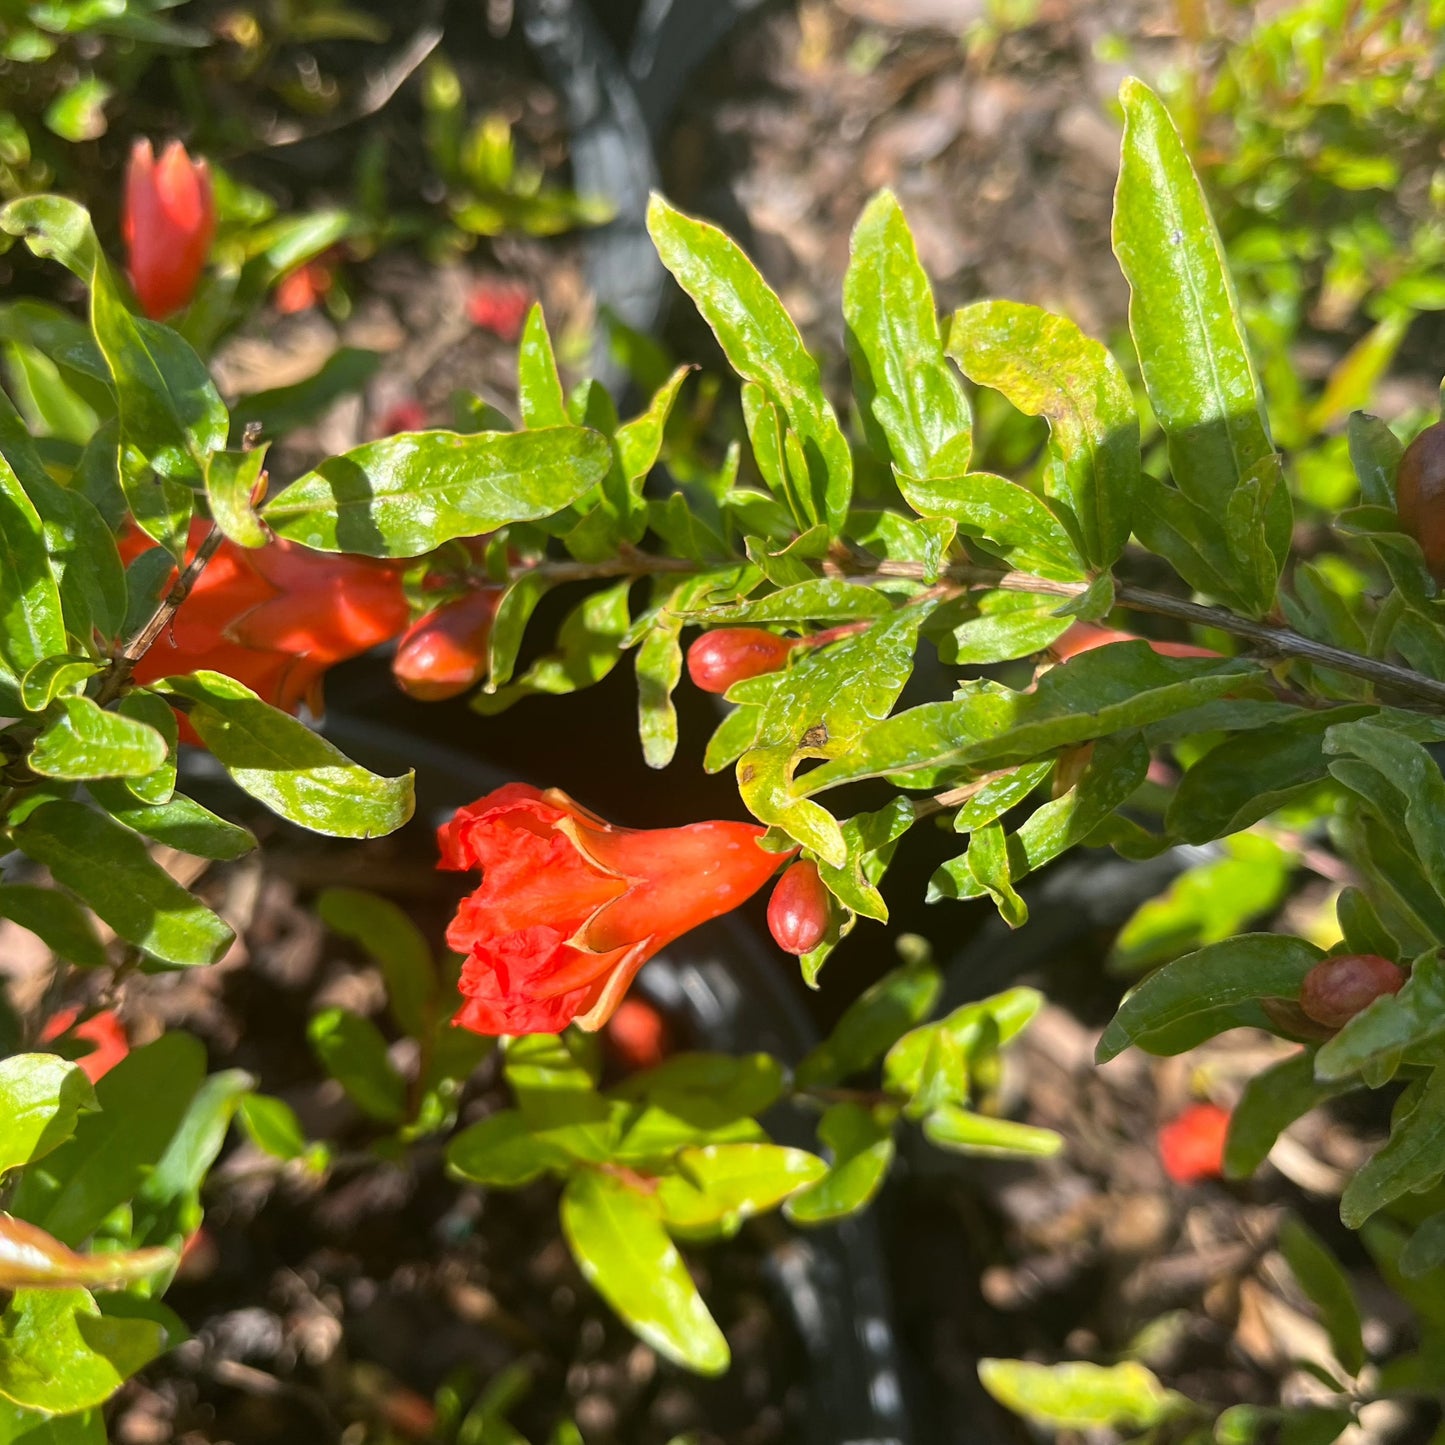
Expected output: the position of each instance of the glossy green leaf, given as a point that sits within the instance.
(170, 412)
(820, 599)
(964, 1132)
(659, 670)
(1375, 453)
(31, 622)
(143, 706)
(1080, 1396)
(1006, 518)
(861, 1145)
(539, 388)
(618, 1241)
(231, 482)
(352, 1050)
(816, 709)
(1110, 689)
(41, 1097)
(31, 1427)
(57, 920)
(1000, 1018)
(407, 494)
(514, 611)
(109, 869)
(59, 1354)
(142, 1103)
(872, 1024)
(395, 944)
(558, 1098)
(1324, 1280)
(1000, 626)
(764, 347)
(81, 740)
(54, 228)
(1207, 992)
(1047, 367)
(31, 1259)
(1413, 1156)
(180, 823)
(904, 386)
(503, 1153)
(1185, 319)
(720, 1185)
(1272, 1100)
(280, 762)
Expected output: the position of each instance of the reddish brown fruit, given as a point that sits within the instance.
(798, 909)
(728, 655)
(1336, 989)
(1420, 495)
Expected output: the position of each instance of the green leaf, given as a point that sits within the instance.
(170, 412)
(81, 740)
(904, 386)
(108, 868)
(31, 1427)
(159, 785)
(32, 625)
(395, 944)
(998, 1019)
(78, 113)
(861, 1144)
(1110, 689)
(1271, 1101)
(514, 611)
(54, 228)
(231, 482)
(1413, 1156)
(142, 1103)
(1006, 518)
(539, 388)
(1185, 319)
(1375, 453)
(763, 347)
(285, 409)
(181, 823)
(1409, 1019)
(41, 1097)
(1080, 1396)
(815, 709)
(965, 1132)
(352, 1050)
(1250, 775)
(618, 1241)
(1047, 367)
(406, 495)
(272, 1126)
(659, 670)
(59, 1354)
(59, 922)
(997, 627)
(1207, 992)
(280, 762)
(503, 1153)
(820, 599)
(872, 1024)
(1324, 1280)
(1426, 1250)
(720, 1185)
(558, 1098)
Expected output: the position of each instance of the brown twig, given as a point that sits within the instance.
(124, 659)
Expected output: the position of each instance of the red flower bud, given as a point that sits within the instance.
(1420, 496)
(637, 1034)
(728, 655)
(571, 907)
(167, 223)
(301, 289)
(1337, 988)
(798, 910)
(500, 306)
(1086, 636)
(1191, 1147)
(445, 652)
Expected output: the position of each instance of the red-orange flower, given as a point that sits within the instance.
(1191, 1147)
(276, 617)
(571, 907)
(167, 223)
(301, 289)
(104, 1031)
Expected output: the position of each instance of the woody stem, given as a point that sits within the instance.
(125, 657)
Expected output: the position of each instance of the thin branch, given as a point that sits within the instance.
(124, 659)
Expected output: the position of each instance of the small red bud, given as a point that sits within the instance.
(798, 909)
(730, 654)
(445, 652)
(1337, 988)
(167, 221)
(1191, 1147)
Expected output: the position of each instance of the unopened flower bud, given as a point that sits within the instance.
(445, 652)
(1337, 988)
(798, 910)
(167, 222)
(719, 659)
